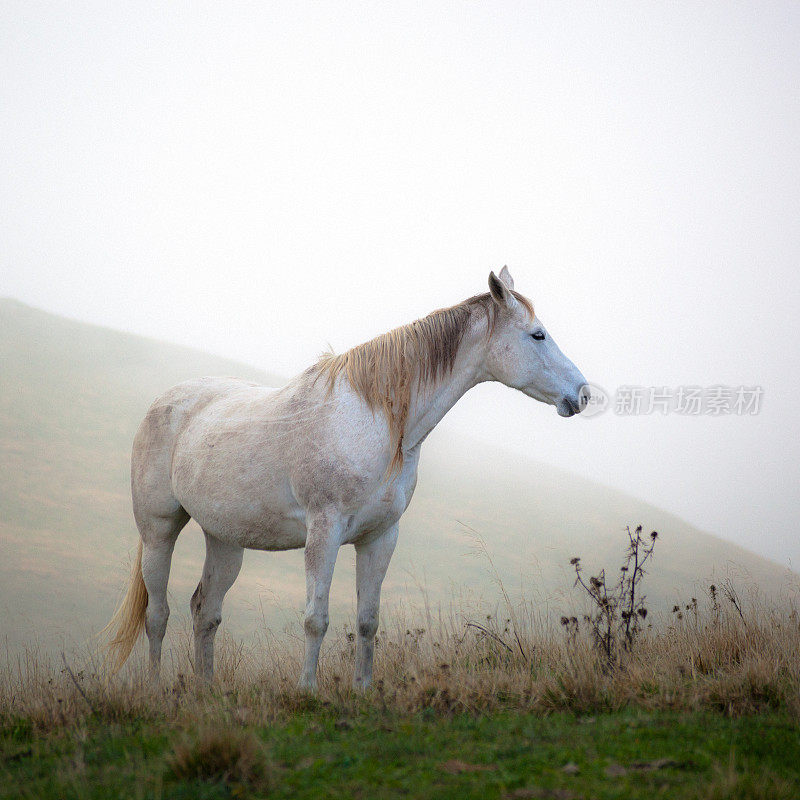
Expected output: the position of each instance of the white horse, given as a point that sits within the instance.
(329, 459)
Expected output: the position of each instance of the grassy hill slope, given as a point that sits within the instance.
(71, 397)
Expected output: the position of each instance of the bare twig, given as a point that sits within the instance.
(733, 597)
(491, 634)
(77, 684)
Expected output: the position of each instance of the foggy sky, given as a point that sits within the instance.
(262, 180)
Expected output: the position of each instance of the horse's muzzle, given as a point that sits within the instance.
(568, 406)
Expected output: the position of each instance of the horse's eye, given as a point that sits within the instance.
(538, 335)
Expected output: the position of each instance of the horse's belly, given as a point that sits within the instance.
(262, 529)
(285, 537)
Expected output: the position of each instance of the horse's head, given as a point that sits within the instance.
(521, 353)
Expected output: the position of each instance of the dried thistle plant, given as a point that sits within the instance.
(618, 611)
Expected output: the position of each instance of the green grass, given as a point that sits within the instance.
(370, 754)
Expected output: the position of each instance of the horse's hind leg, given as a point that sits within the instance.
(222, 565)
(159, 515)
(158, 541)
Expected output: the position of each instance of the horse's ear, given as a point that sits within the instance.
(505, 276)
(501, 294)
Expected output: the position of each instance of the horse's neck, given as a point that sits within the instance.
(431, 403)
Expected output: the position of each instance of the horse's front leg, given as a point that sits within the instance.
(372, 561)
(324, 531)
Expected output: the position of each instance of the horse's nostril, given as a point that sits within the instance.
(574, 405)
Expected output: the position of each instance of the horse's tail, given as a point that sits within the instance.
(128, 620)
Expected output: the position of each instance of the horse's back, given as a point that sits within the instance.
(193, 394)
(169, 412)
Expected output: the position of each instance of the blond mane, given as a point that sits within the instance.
(384, 370)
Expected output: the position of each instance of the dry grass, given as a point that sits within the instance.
(220, 753)
(714, 655)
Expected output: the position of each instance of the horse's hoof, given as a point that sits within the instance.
(306, 686)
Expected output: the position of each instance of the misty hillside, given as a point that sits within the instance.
(71, 397)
